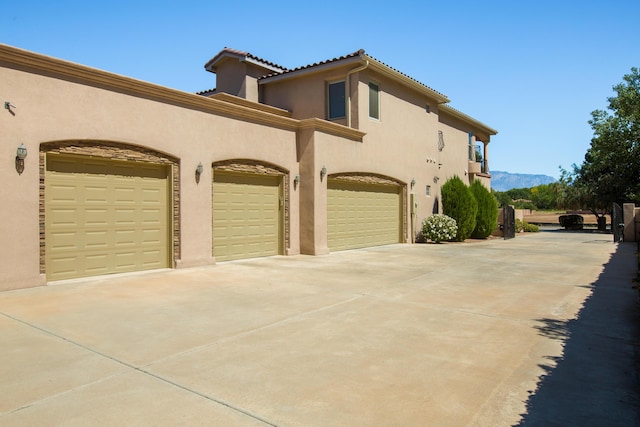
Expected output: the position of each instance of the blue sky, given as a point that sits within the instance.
(533, 70)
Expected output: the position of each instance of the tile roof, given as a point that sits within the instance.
(455, 112)
(359, 53)
(206, 92)
(316, 64)
(241, 54)
(406, 75)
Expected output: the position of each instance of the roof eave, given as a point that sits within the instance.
(361, 59)
(406, 80)
(460, 115)
(241, 57)
(310, 70)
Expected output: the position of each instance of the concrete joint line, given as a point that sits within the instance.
(128, 365)
(251, 331)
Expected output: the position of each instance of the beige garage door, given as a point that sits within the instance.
(361, 215)
(104, 216)
(247, 218)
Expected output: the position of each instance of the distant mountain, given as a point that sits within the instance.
(503, 181)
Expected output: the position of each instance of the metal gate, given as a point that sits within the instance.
(617, 223)
(509, 222)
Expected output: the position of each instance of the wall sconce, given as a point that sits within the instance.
(199, 170)
(8, 106)
(323, 173)
(413, 182)
(296, 181)
(21, 154)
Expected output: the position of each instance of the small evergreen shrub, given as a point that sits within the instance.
(530, 228)
(571, 222)
(487, 216)
(458, 203)
(439, 228)
(524, 226)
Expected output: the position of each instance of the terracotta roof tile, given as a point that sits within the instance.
(316, 64)
(360, 52)
(239, 53)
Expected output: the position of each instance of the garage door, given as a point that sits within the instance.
(361, 215)
(247, 220)
(104, 216)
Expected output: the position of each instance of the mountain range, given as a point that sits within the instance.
(503, 181)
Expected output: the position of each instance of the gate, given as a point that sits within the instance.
(509, 222)
(617, 223)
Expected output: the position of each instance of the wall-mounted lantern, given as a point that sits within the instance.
(296, 181)
(199, 170)
(413, 183)
(323, 173)
(9, 107)
(21, 154)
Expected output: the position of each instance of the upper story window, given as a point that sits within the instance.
(336, 101)
(374, 101)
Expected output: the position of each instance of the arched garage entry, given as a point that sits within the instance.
(107, 208)
(250, 209)
(364, 210)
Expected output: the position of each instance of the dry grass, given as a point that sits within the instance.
(547, 217)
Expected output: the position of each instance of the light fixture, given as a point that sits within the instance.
(323, 172)
(413, 182)
(199, 170)
(296, 181)
(21, 154)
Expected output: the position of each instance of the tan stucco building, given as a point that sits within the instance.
(123, 175)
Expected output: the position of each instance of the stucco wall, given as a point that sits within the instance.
(402, 144)
(59, 102)
(51, 107)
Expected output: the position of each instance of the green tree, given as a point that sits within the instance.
(502, 197)
(545, 196)
(459, 204)
(487, 216)
(610, 171)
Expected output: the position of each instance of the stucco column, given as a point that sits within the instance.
(628, 218)
(313, 198)
(486, 156)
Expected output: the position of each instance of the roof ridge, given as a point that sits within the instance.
(241, 53)
(359, 52)
(316, 64)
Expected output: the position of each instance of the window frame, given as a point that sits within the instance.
(377, 93)
(329, 98)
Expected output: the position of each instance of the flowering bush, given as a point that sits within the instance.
(439, 227)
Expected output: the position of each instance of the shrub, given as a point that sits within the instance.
(459, 204)
(487, 216)
(438, 228)
(571, 222)
(524, 226)
(530, 228)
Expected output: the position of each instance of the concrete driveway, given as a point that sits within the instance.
(453, 334)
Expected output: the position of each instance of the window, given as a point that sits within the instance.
(336, 100)
(374, 101)
(428, 190)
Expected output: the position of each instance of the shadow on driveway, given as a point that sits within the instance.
(595, 382)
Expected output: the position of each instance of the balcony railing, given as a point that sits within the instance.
(476, 162)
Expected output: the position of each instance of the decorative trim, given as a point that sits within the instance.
(249, 111)
(366, 178)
